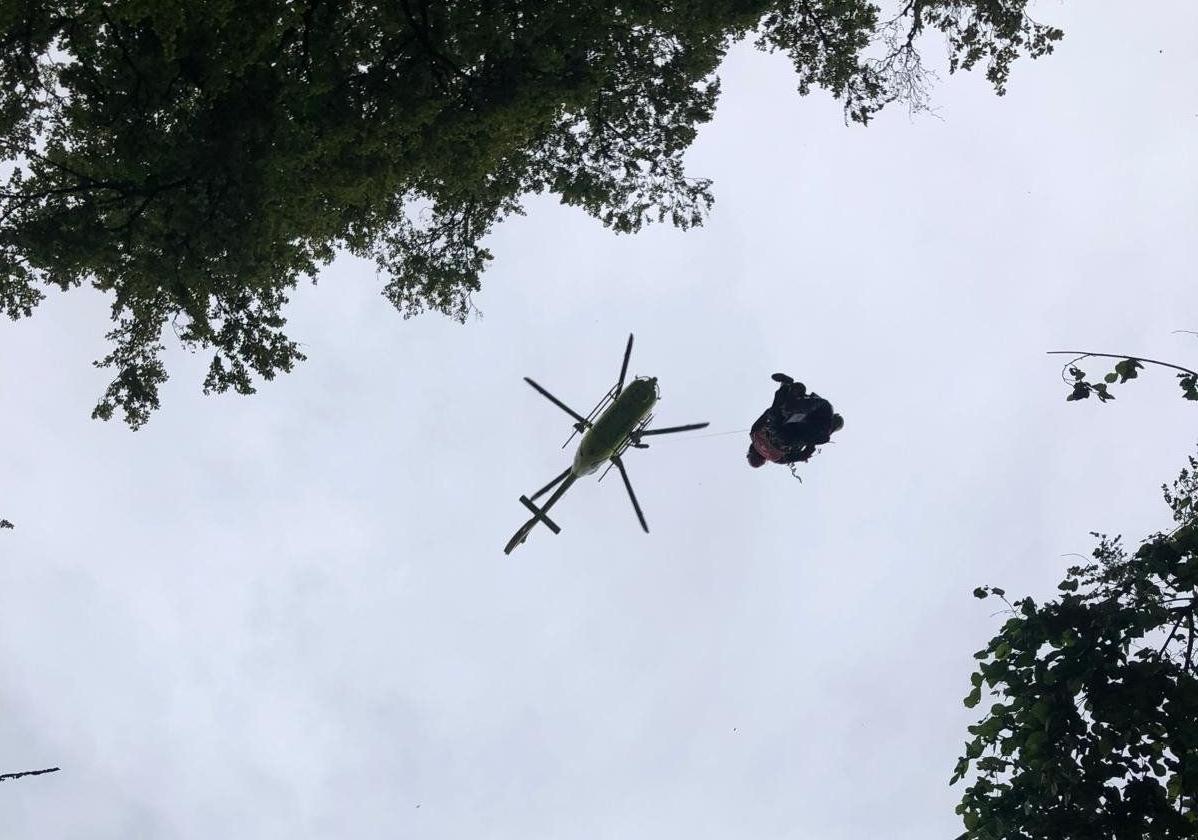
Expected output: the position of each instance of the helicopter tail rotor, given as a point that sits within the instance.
(540, 514)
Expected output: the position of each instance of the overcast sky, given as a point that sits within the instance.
(290, 616)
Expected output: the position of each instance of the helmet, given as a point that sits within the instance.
(755, 458)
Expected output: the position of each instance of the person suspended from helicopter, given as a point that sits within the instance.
(790, 430)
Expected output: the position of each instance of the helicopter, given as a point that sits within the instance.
(618, 421)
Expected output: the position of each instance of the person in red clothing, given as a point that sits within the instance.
(790, 429)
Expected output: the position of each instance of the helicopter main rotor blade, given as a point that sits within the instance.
(582, 421)
(624, 367)
(595, 412)
(550, 485)
(628, 486)
(671, 429)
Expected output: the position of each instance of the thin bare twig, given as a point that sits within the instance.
(6, 776)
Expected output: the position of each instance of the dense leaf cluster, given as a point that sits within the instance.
(196, 158)
(1094, 732)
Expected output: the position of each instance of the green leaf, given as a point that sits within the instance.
(973, 698)
(993, 764)
(1173, 789)
(1069, 585)
(980, 592)
(1002, 650)
(1126, 369)
(1110, 378)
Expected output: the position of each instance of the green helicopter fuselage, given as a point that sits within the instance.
(614, 426)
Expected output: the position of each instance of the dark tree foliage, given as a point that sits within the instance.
(1095, 730)
(196, 158)
(1126, 368)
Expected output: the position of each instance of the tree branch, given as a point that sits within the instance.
(1081, 354)
(1190, 642)
(6, 776)
(422, 36)
(1176, 624)
(120, 42)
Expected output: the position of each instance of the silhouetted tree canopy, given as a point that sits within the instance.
(197, 158)
(1095, 730)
